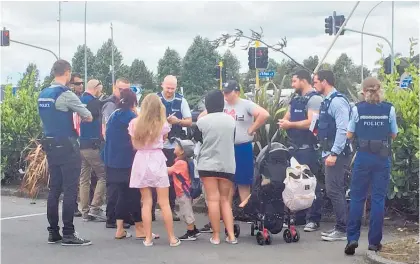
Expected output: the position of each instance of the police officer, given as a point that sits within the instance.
(297, 122)
(90, 143)
(374, 125)
(179, 115)
(56, 105)
(333, 120)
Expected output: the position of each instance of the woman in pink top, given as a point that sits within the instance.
(148, 132)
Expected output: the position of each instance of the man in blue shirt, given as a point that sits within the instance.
(332, 127)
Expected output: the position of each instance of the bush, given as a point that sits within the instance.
(404, 185)
(20, 124)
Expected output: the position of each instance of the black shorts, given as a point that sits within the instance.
(216, 174)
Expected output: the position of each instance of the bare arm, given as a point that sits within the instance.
(261, 115)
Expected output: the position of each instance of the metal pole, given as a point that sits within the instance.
(85, 47)
(33, 46)
(112, 55)
(336, 37)
(363, 27)
(392, 40)
(59, 29)
(257, 76)
(374, 35)
(220, 75)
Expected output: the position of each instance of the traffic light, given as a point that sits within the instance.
(262, 58)
(251, 58)
(387, 65)
(5, 38)
(339, 21)
(329, 25)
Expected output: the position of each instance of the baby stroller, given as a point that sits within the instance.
(265, 206)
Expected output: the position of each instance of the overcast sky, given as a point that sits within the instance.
(145, 29)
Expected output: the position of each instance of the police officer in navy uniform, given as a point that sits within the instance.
(373, 125)
(297, 122)
(334, 115)
(91, 140)
(56, 105)
(178, 113)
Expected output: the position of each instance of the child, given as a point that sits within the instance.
(184, 151)
(149, 170)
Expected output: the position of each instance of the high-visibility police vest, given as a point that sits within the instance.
(55, 123)
(298, 112)
(173, 107)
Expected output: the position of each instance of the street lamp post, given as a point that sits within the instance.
(85, 47)
(59, 29)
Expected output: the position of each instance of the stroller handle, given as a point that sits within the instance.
(269, 141)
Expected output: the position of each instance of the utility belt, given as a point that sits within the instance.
(61, 150)
(93, 143)
(326, 145)
(377, 147)
(50, 143)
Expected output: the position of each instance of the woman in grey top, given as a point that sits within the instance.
(216, 164)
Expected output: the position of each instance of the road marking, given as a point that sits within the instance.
(21, 216)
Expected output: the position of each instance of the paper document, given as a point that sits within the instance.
(313, 125)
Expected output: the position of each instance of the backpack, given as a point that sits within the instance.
(195, 189)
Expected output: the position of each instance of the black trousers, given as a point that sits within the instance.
(123, 202)
(64, 164)
(170, 160)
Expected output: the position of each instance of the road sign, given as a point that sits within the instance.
(406, 82)
(266, 74)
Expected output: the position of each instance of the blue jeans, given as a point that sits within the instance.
(310, 157)
(368, 170)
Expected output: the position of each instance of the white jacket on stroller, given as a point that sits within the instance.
(300, 184)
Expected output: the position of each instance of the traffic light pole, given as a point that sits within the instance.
(257, 76)
(378, 36)
(36, 47)
(220, 75)
(336, 36)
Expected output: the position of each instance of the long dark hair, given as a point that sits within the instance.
(128, 99)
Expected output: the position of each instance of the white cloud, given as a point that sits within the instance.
(144, 29)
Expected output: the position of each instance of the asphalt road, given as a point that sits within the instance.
(24, 241)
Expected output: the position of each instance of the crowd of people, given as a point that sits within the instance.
(133, 157)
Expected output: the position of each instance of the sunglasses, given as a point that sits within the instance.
(78, 83)
(99, 83)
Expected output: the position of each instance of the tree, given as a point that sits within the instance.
(169, 64)
(198, 67)
(139, 74)
(78, 62)
(123, 71)
(311, 62)
(101, 66)
(232, 65)
(31, 74)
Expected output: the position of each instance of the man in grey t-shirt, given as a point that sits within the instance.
(297, 122)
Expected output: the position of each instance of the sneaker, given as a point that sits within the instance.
(375, 247)
(232, 242)
(206, 229)
(99, 215)
(88, 218)
(77, 213)
(54, 236)
(326, 233)
(75, 240)
(351, 248)
(311, 227)
(189, 236)
(335, 236)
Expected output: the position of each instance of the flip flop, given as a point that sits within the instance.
(126, 235)
(154, 236)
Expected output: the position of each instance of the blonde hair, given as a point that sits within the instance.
(372, 90)
(148, 125)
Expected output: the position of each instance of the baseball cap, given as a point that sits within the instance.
(231, 86)
(186, 145)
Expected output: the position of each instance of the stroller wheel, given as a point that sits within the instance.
(236, 230)
(268, 238)
(260, 238)
(287, 236)
(296, 237)
(252, 229)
